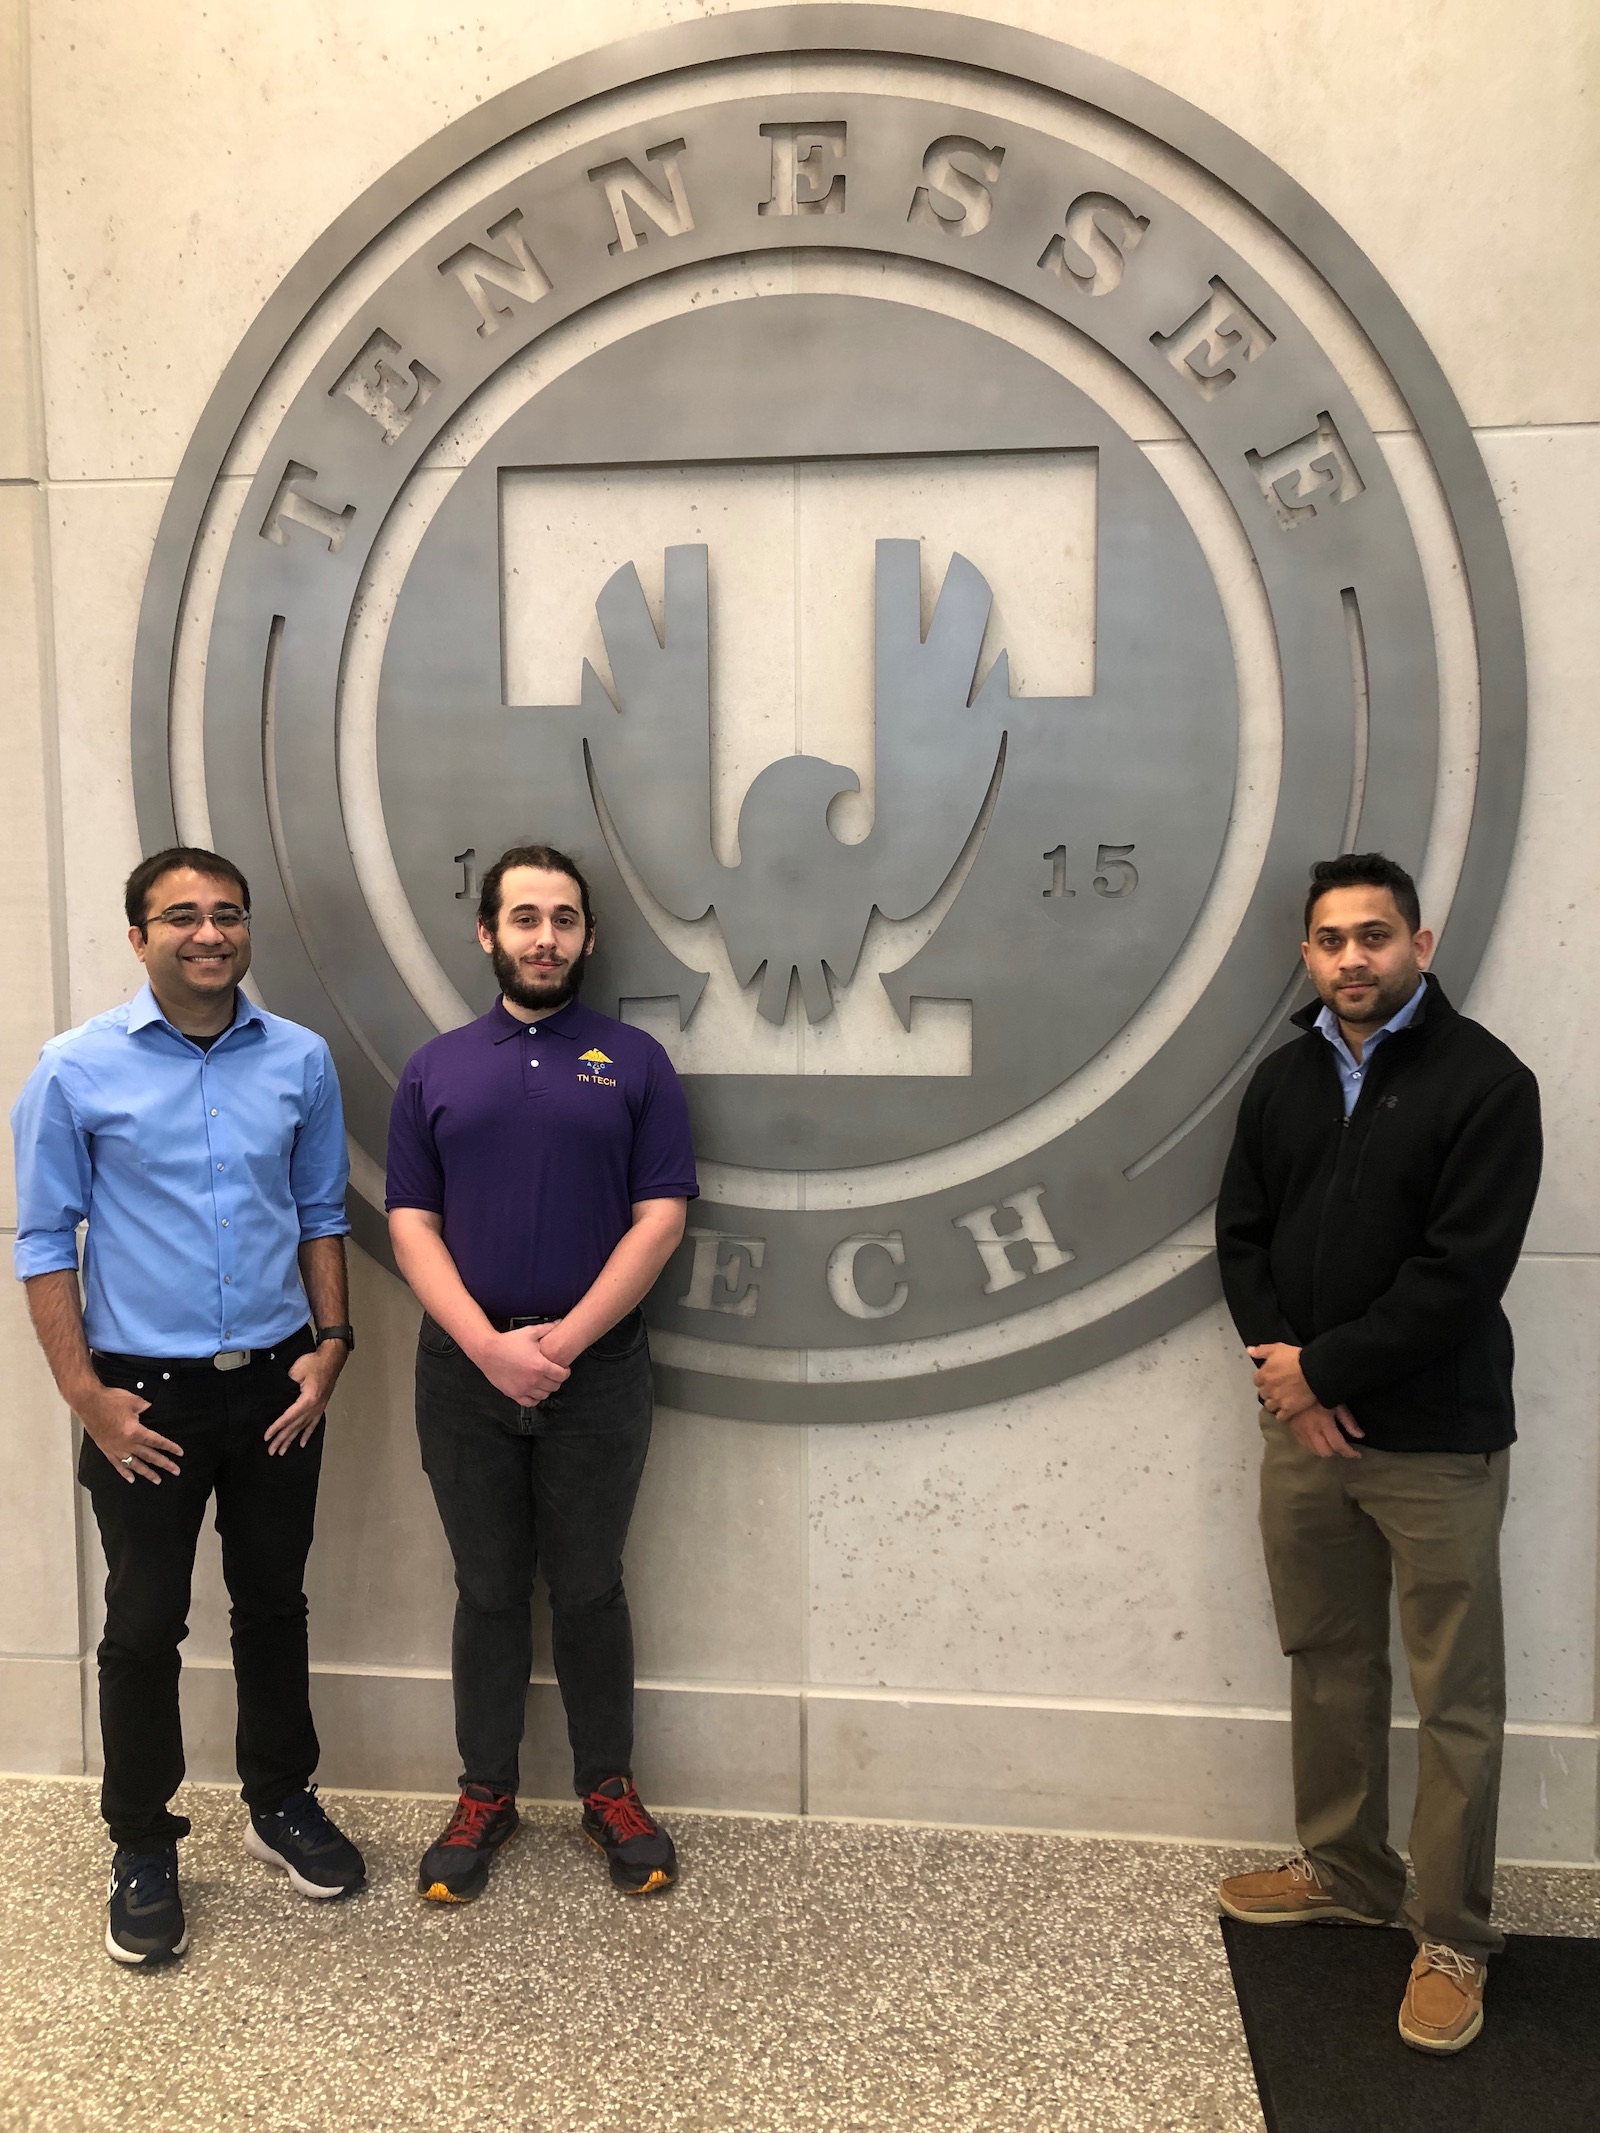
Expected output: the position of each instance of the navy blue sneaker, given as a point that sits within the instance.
(317, 1857)
(638, 1850)
(144, 1917)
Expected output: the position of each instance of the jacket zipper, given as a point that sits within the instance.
(1327, 1193)
(1413, 1032)
(1369, 1087)
(1361, 1159)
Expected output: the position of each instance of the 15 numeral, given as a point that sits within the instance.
(1115, 873)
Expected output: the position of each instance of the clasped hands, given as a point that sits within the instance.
(1284, 1392)
(525, 1364)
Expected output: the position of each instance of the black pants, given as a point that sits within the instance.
(558, 1497)
(265, 1510)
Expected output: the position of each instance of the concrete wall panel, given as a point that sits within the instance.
(1538, 986)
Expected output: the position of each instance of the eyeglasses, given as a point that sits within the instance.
(189, 918)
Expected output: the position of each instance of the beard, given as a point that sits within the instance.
(1386, 1001)
(556, 991)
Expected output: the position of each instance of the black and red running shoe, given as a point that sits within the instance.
(455, 1867)
(639, 1851)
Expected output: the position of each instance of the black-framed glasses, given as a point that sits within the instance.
(189, 918)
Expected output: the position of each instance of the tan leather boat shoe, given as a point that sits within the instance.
(1287, 1895)
(1443, 2007)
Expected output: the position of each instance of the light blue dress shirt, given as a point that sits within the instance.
(199, 1174)
(1353, 1071)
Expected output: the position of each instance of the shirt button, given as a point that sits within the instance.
(221, 1166)
(224, 1221)
(228, 1278)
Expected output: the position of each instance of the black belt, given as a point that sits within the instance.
(510, 1325)
(224, 1359)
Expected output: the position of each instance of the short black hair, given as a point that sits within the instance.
(1365, 870)
(548, 860)
(136, 892)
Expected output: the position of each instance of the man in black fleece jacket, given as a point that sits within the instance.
(1371, 1213)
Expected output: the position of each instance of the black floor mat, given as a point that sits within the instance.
(1319, 2006)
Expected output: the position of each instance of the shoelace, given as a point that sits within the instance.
(305, 1814)
(1301, 1869)
(147, 1877)
(470, 1820)
(624, 1816)
(1451, 1961)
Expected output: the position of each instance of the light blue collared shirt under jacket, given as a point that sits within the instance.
(199, 1173)
(1353, 1071)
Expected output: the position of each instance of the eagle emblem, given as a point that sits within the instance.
(798, 903)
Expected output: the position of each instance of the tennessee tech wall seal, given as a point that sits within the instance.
(944, 532)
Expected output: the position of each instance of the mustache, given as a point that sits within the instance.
(563, 983)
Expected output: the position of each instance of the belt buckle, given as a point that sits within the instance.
(231, 1359)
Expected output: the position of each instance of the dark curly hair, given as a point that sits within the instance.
(548, 860)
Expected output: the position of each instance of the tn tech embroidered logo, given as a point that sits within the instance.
(919, 535)
(594, 1059)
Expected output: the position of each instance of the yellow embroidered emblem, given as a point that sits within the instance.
(594, 1057)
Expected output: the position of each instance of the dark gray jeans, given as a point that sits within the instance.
(558, 1498)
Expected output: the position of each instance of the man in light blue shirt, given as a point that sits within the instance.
(201, 1140)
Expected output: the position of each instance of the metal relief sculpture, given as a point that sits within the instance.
(900, 247)
(798, 903)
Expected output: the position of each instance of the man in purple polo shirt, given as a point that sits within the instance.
(540, 1168)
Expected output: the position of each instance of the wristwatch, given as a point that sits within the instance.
(346, 1334)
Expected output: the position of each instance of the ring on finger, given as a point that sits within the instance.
(127, 1459)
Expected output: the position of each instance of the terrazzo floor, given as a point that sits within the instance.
(804, 1977)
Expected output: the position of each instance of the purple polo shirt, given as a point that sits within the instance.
(534, 1141)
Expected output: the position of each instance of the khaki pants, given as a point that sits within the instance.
(1335, 1530)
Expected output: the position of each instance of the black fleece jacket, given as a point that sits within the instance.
(1381, 1245)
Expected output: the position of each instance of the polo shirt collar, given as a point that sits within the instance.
(567, 1021)
(145, 1009)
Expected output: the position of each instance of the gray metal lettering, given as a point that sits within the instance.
(387, 385)
(806, 175)
(957, 196)
(291, 505)
(719, 1273)
(1092, 251)
(1030, 1231)
(1117, 876)
(1314, 470)
(636, 201)
(479, 270)
(842, 1275)
(1056, 861)
(1214, 343)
